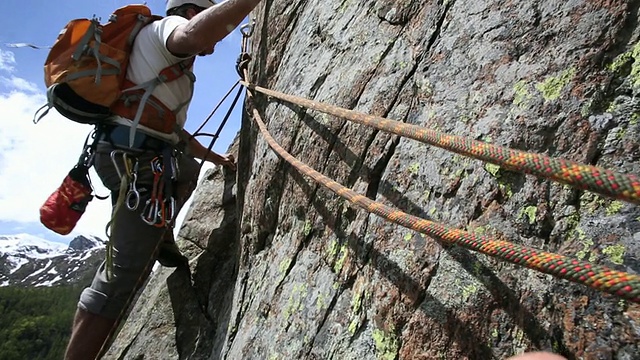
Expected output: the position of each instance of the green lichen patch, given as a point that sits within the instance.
(294, 303)
(615, 253)
(386, 345)
(284, 265)
(408, 237)
(530, 212)
(522, 95)
(342, 256)
(468, 291)
(321, 302)
(307, 228)
(551, 88)
(492, 169)
(614, 207)
(587, 244)
(413, 168)
(633, 57)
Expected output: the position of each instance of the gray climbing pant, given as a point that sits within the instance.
(135, 242)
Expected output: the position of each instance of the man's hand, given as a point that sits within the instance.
(242, 64)
(226, 160)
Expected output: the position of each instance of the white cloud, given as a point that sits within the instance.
(7, 60)
(18, 84)
(36, 158)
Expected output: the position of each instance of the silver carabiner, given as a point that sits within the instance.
(115, 163)
(171, 212)
(133, 195)
(247, 29)
(150, 213)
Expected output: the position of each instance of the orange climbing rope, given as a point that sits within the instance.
(601, 278)
(625, 187)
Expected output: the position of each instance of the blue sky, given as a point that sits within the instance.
(35, 158)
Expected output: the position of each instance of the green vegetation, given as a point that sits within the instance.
(36, 322)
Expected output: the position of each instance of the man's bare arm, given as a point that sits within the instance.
(208, 27)
(198, 151)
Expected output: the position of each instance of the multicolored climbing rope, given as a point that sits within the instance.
(624, 285)
(620, 186)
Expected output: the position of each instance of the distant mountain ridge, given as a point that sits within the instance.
(27, 260)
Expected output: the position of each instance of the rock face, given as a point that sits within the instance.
(284, 269)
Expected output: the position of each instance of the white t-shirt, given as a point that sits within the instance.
(149, 56)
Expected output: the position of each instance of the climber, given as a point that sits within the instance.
(191, 27)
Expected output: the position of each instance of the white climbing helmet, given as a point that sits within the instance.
(201, 3)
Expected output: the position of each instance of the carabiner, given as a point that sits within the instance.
(133, 195)
(249, 26)
(160, 214)
(171, 209)
(150, 213)
(115, 163)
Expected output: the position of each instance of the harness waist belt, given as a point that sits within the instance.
(118, 136)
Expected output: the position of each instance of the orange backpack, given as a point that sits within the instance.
(85, 73)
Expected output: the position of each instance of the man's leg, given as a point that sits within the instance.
(134, 245)
(80, 345)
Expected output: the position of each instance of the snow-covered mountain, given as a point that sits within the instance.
(27, 260)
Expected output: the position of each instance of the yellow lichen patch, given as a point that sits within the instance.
(333, 248)
(342, 256)
(284, 265)
(492, 169)
(386, 344)
(413, 168)
(294, 304)
(469, 290)
(530, 212)
(552, 87)
(615, 253)
(307, 228)
(522, 95)
(614, 207)
(625, 58)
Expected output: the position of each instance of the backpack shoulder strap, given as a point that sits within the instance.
(144, 90)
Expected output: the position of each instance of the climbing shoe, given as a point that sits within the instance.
(170, 256)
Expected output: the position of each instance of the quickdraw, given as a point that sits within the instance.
(160, 209)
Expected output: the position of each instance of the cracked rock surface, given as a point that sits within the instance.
(284, 269)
